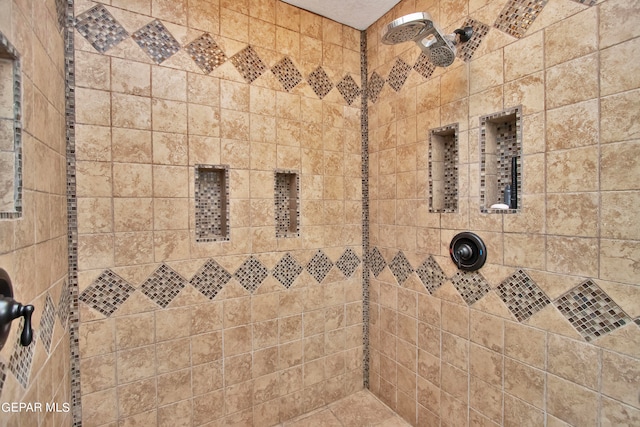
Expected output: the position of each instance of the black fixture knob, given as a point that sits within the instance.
(468, 251)
(11, 310)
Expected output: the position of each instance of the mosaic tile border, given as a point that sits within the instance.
(517, 16)
(587, 307)
(286, 194)
(109, 291)
(13, 54)
(507, 146)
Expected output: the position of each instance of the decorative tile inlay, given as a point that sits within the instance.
(467, 49)
(398, 74)
(320, 82)
(156, 41)
(206, 53)
(251, 274)
(376, 262)
(348, 262)
(47, 322)
(287, 204)
(22, 357)
(210, 279)
(287, 270)
(518, 15)
(319, 266)
(471, 285)
(591, 311)
(64, 305)
(587, 2)
(424, 66)
(348, 88)
(431, 274)
(249, 64)
(163, 285)
(100, 28)
(287, 73)
(522, 296)
(400, 267)
(107, 293)
(374, 86)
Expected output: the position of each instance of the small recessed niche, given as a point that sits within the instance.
(287, 203)
(212, 203)
(10, 132)
(501, 162)
(443, 169)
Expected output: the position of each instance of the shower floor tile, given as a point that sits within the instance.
(361, 409)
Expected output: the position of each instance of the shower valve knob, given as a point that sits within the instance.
(10, 310)
(465, 33)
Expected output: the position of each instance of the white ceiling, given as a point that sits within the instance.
(359, 14)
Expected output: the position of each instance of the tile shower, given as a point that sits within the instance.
(248, 211)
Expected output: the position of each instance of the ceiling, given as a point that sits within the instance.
(359, 14)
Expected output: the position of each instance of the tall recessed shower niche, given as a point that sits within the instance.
(212, 203)
(501, 161)
(10, 132)
(443, 169)
(287, 206)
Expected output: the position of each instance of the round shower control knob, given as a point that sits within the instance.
(468, 251)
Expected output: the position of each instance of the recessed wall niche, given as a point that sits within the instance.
(443, 169)
(501, 161)
(287, 206)
(212, 203)
(10, 132)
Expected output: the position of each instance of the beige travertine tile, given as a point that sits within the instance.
(613, 79)
(98, 373)
(581, 37)
(620, 377)
(207, 407)
(561, 260)
(95, 251)
(101, 407)
(172, 355)
(572, 81)
(571, 403)
(95, 215)
(137, 397)
(615, 24)
(486, 72)
(617, 171)
(614, 413)
(93, 107)
(524, 344)
(519, 414)
(136, 364)
(615, 223)
(130, 77)
(573, 360)
(618, 117)
(131, 111)
(572, 126)
(572, 214)
(524, 382)
(573, 170)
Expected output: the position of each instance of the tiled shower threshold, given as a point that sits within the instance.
(361, 409)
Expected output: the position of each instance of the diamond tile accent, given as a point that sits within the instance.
(376, 83)
(287, 73)
(376, 262)
(287, 270)
(206, 53)
(400, 267)
(107, 293)
(22, 357)
(431, 274)
(591, 311)
(348, 88)
(424, 66)
(518, 15)
(480, 31)
(163, 285)
(64, 305)
(348, 262)
(210, 279)
(156, 41)
(471, 285)
(319, 82)
(319, 266)
(249, 64)
(587, 2)
(522, 296)
(251, 274)
(398, 74)
(47, 322)
(100, 28)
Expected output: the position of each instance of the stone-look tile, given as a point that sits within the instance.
(523, 57)
(615, 225)
(558, 37)
(616, 260)
(570, 402)
(617, 117)
(612, 60)
(137, 397)
(573, 360)
(620, 376)
(524, 344)
(572, 214)
(518, 413)
(560, 260)
(614, 25)
(572, 81)
(572, 126)
(615, 413)
(577, 167)
(524, 382)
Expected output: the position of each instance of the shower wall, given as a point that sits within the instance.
(33, 229)
(180, 322)
(547, 332)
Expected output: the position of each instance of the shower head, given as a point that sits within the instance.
(419, 27)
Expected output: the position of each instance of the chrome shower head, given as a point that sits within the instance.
(420, 28)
